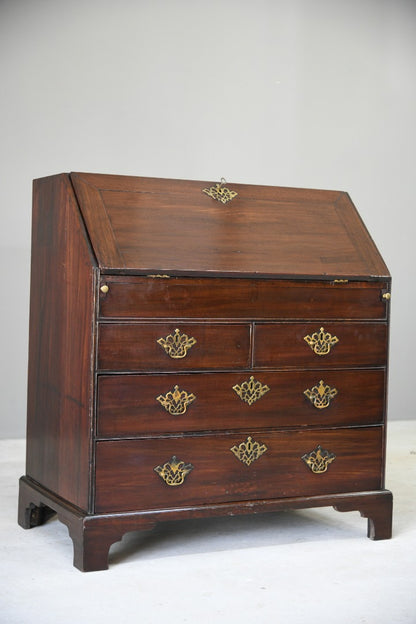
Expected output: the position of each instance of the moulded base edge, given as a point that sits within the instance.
(92, 535)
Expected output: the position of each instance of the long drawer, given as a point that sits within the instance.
(173, 346)
(239, 298)
(169, 472)
(130, 405)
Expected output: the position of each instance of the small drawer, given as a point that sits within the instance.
(173, 346)
(133, 475)
(133, 405)
(239, 298)
(315, 345)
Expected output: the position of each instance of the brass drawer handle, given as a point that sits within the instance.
(176, 401)
(318, 460)
(321, 341)
(251, 390)
(321, 395)
(176, 345)
(174, 471)
(248, 451)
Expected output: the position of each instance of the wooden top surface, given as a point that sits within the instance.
(160, 226)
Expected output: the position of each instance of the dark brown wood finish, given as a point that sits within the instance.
(125, 476)
(60, 374)
(93, 535)
(135, 346)
(128, 405)
(284, 346)
(261, 232)
(202, 298)
(119, 263)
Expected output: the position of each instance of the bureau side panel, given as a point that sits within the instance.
(61, 344)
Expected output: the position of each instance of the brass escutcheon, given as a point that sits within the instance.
(176, 345)
(248, 451)
(176, 401)
(220, 192)
(321, 341)
(318, 460)
(251, 390)
(321, 395)
(174, 471)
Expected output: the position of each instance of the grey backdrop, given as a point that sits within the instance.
(307, 93)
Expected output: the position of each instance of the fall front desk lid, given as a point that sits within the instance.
(146, 226)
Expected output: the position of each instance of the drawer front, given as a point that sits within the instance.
(141, 347)
(314, 345)
(222, 298)
(170, 472)
(130, 405)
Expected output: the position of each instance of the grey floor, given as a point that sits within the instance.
(314, 566)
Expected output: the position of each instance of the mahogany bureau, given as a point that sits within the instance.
(201, 349)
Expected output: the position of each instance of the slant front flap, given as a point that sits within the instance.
(179, 227)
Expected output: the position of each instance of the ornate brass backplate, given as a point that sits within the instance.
(321, 395)
(321, 342)
(176, 345)
(248, 451)
(251, 390)
(220, 192)
(174, 471)
(176, 401)
(318, 460)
